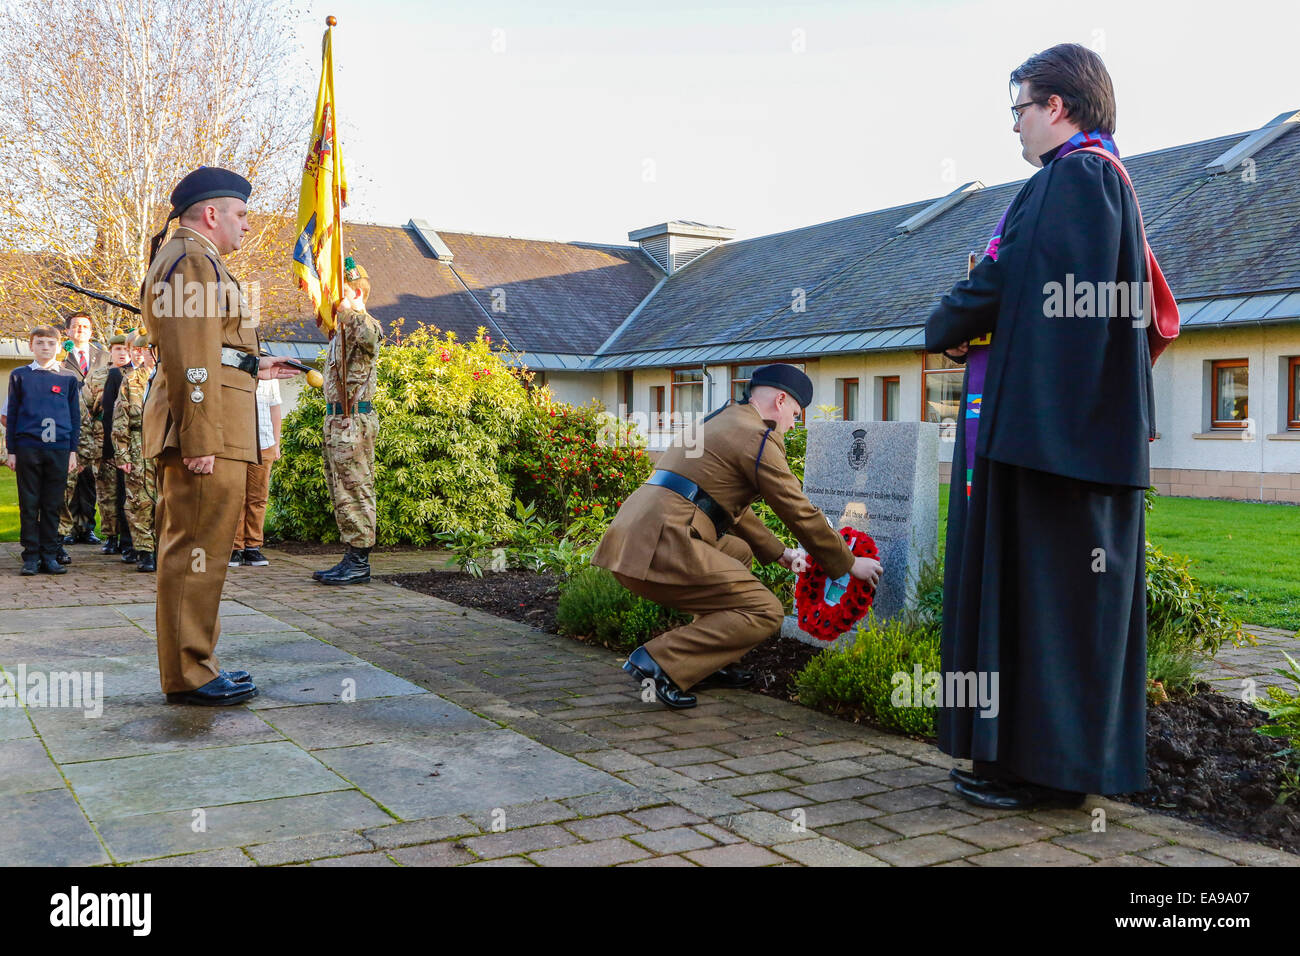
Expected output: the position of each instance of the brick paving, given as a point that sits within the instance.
(475, 740)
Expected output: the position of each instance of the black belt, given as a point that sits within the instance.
(336, 408)
(696, 495)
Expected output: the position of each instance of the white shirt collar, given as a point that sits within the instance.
(54, 364)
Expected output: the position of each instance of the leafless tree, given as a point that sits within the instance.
(105, 105)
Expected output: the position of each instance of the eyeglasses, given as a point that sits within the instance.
(1016, 110)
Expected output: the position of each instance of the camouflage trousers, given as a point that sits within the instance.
(106, 495)
(141, 498)
(67, 522)
(349, 455)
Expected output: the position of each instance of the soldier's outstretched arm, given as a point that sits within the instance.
(780, 489)
(766, 546)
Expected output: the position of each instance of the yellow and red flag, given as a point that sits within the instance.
(318, 249)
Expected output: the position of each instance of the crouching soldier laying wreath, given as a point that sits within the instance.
(687, 538)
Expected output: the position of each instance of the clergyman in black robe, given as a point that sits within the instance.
(1044, 581)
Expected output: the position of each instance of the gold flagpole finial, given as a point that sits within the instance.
(331, 21)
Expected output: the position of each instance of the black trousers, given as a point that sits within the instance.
(42, 479)
(123, 527)
(83, 502)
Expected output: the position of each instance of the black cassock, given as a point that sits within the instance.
(1044, 582)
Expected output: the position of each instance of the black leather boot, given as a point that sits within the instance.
(110, 545)
(129, 554)
(147, 562)
(353, 569)
(317, 575)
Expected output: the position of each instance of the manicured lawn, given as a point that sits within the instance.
(8, 505)
(1249, 552)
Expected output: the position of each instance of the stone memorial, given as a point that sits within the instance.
(881, 478)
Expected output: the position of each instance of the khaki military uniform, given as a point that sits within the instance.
(91, 448)
(196, 407)
(128, 444)
(664, 548)
(349, 447)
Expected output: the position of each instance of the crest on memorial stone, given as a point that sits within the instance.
(858, 450)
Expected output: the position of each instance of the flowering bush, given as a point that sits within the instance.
(448, 413)
(576, 461)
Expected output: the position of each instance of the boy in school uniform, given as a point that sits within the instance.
(42, 428)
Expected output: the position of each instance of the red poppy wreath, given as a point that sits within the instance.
(817, 615)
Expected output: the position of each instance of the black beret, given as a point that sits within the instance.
(788, 379)
(208, 182)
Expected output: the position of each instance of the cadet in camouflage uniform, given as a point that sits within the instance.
(349, 449)
(95, 448)
(128, 442)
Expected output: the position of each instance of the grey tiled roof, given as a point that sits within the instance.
(1214, 237)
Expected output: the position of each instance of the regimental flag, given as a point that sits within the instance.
(318, 250)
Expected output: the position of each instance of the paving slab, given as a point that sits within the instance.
(47, 828)
(142, 836)
(316, 726)
(26, 767)
(475, 771)
(145, 724)
(191, 779)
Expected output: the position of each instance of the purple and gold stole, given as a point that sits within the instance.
(977, 359)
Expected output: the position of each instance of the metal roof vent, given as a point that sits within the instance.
(1234, 157)
(674, 245)
(939, 207)
(432, 241)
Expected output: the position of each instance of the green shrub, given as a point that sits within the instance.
(448, 411)
(776, 578)
(859, 678)
(569, 460)
(1283, 709)
(594, 605)
(1171, 663)
(1189, 615)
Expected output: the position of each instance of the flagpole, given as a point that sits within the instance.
(335, 190)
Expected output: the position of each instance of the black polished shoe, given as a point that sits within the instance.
(31, 566)
(62, 556)
(643, 667)
(729, 676)
(71, 539)
(130, 556)
(353, 569)
(254, 558)
(239, 677)
(218, 692)
(1027, 796)
(52, 566)
(975, 782)
(89, 538)
(236, 559)
(110, 546)
(147, 562)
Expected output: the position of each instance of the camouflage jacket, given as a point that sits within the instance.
(362, 333)
(91, 446)
(128, 418)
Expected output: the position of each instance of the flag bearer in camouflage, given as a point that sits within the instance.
(350, 429)
(98, 396)
(128, 442)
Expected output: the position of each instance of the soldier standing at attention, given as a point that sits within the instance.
(96, 451)
(687, 537)
(200, 422)
(128, 442)
(350, 430)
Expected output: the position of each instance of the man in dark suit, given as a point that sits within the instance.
(81, 357)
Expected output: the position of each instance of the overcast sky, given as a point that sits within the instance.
(582, 120)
